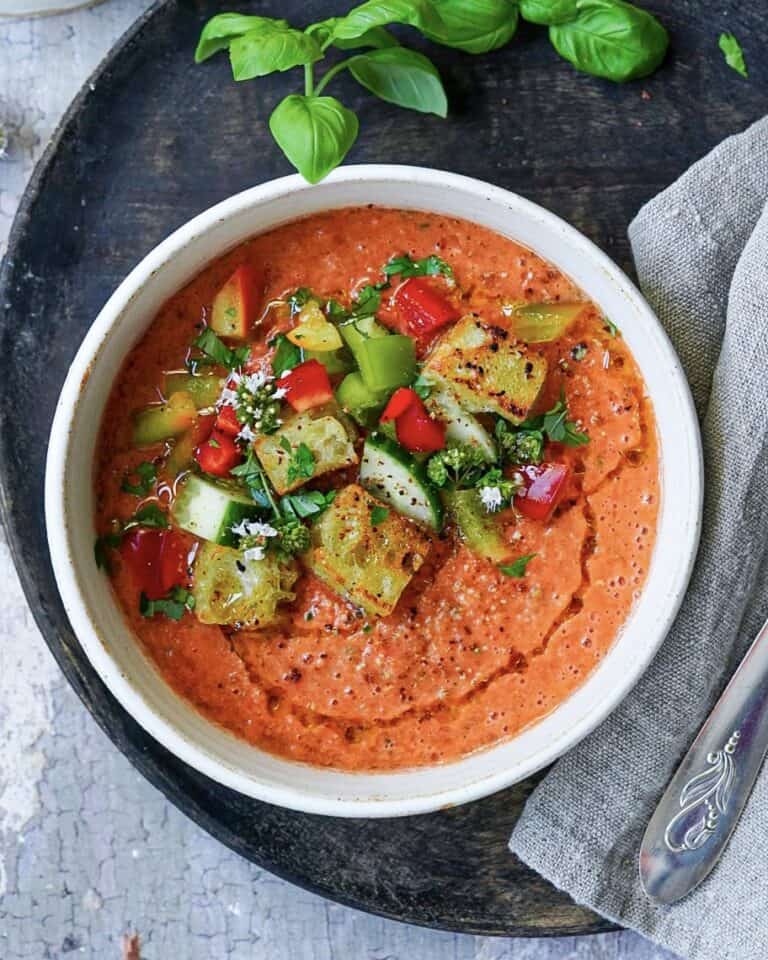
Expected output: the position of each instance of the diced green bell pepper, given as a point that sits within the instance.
(387, 362)
(334, 361)
(163, 421)
(542, 322)
(358, 401)
(203, 389)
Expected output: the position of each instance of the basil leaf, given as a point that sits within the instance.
(548, 12)
(611, 39)
(287, 355)
(518, 567)
(173, 606)
(376, 37)
(403, 77)
(734, 55)
(223, 28)
(218, 351)
(271, 47)
(378, 13)
(475, 26)
(315, 133)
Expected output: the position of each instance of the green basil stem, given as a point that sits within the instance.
(309, 80)
(336, 68)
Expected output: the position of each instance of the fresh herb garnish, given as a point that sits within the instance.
(430, 266)
(145, 474)
(308, 503)
(299, 298)
(286, 356)
(519, 445)
(367, 302)
(456, 466)
(102, 546)
(734, 55)
(173, 606)
(378, 515)
(611, 327)
(258, 404)
(217, 351)
(579, 351)
(607, 38)
(301, 466)
(518, 567)
(497, 491)
(149, 515)
(556, 426)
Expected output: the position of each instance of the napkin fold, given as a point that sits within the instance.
(701, 253)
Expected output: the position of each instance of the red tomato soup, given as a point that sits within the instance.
(377, 489)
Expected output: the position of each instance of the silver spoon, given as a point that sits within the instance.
(704, 800)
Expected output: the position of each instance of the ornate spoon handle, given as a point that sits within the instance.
(705, 798)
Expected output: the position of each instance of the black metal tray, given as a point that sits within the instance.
(152, 140)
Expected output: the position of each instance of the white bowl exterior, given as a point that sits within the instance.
(96, 617)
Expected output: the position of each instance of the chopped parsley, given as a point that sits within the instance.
(367, 302)
(149, 515)
(102, 546)
(302, 463)
(379, 515)
(145, 475)
(218, 352)
(556, 426)
(611, 327)
(173, 606)
(405, 266)
(518, 567)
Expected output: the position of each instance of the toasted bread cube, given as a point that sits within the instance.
(228, 589)
(487, 369)
(327, 438)
(368, 564)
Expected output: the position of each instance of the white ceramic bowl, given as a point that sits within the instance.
(97, 620)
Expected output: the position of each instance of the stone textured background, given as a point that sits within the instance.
(88, 850)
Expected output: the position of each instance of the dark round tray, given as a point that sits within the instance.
(151, 141)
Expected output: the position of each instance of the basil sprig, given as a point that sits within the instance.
(606, 38)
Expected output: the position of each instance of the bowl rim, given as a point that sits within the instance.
(57, 523)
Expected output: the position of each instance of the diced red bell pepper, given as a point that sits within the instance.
(237, 304)
(417, 431)
(306, 385)
(227, 422)
(424, 309)
(398, 403)
(545, 485)
(157, 559)
(218, 454)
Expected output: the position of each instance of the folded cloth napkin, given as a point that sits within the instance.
(701, 252)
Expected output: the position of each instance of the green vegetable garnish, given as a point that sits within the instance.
(302, 463)
(379, 515)
(557, 427)
(611, 327)
(518, 567)
(456, 466)
(149, 515)
(405, 267)
(519, 445)
(257, 407)
(734, 55)
(217, 351)
(607, 38)
(146, 474)
(287, 355)
(173, 606)
(308, 503)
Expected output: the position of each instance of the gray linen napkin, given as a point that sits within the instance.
(701, 251)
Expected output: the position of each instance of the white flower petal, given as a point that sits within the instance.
(491, 498)
(253, 553)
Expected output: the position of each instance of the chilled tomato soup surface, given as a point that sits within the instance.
(377, 489)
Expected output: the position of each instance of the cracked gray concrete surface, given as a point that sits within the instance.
(89, 851)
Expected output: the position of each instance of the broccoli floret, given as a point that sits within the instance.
(292, 537)
(455, 465)
(519, 446)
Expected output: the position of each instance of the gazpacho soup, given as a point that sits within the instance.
(378, 488)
